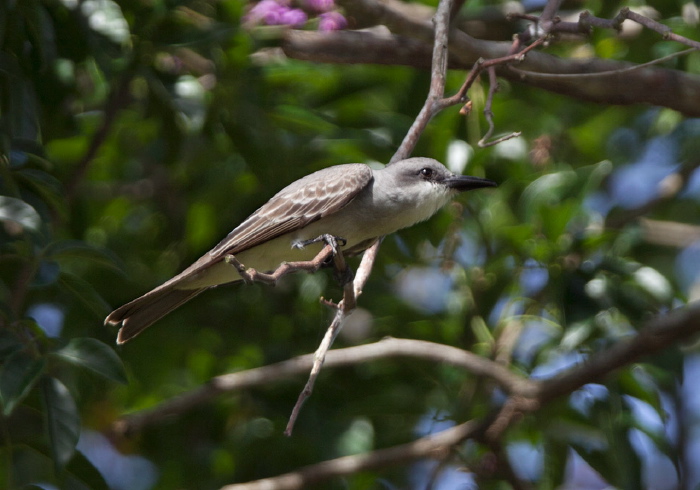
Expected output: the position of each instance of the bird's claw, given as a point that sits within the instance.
(334, 241)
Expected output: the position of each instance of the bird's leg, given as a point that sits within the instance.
(342, 272)
(331, 252)
(334, 241)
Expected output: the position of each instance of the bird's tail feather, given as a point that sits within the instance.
(140, 313)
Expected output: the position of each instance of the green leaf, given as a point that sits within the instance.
(18, 375)
(9, 344)
(76, 249)
(638, 383)
(84, 291)
(300, 119)
(556, 454)
(83, 473)
(96, 356)
(62, 421)
(47, 187)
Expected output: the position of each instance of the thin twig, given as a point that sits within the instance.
(493, 88)
(619, 71)
(588, 20)
(343, 309)
(548, 19)
(352, 290)
(437, 82)
(481, 65)
(665, 31)
(319, 359)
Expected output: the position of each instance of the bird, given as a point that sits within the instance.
(353, 202)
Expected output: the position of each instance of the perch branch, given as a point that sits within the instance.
(351, 291)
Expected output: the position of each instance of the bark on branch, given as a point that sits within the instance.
(647, 85)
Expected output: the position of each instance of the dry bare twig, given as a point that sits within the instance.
(343, 309)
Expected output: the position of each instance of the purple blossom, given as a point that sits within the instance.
(293, 17)
(320, 5)
(331, 21)
(261, 10)
(275, 12)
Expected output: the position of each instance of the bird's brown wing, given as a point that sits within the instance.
(302, 202)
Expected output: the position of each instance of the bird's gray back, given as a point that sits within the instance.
(302, 202)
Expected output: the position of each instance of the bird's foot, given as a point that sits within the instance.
(334, 241)
(342, 272)
(331, 254)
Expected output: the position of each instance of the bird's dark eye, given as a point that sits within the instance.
(426, 172)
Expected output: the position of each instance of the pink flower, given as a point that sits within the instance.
(274, 13)
(261, 10)
(331, 21)
(293, 17)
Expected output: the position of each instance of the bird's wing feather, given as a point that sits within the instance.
(302, 202)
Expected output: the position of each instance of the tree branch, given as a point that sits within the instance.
(437, 82)
(432, 446)
(524, 395)
(384, 349)
(617, 84)
(658, 334)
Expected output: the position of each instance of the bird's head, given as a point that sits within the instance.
(414, 189)
(423, 176)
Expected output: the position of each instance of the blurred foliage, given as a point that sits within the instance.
(134, 135)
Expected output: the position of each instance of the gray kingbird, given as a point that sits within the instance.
(352, 202)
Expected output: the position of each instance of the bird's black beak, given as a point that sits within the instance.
(466, 183)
